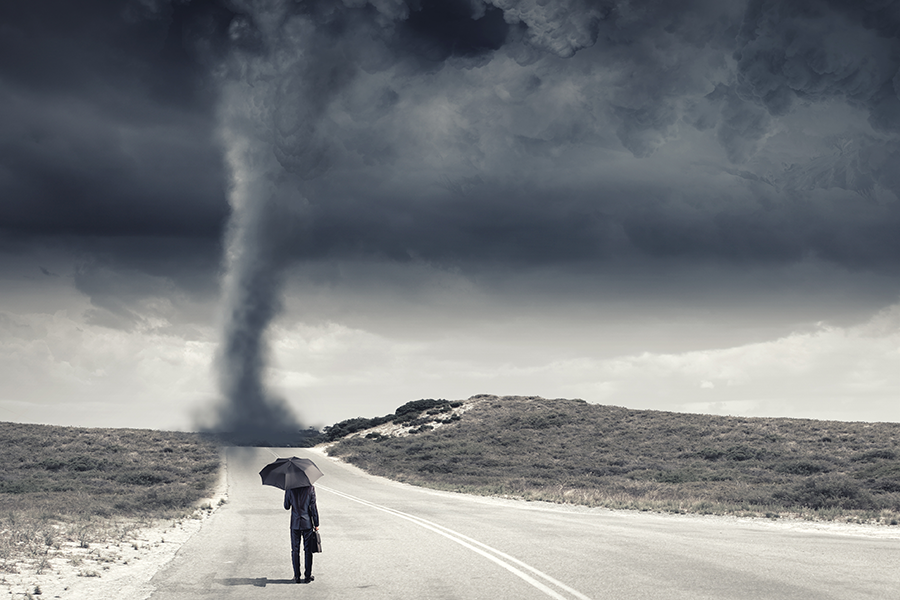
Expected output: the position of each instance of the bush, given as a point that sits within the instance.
(407, 414)
(52, 464)
(83, 463)
(143, 478)
(875, 455)
(828, 493)
(710, 454)
(419, 406)
(742, 453)
(348, 426)
(802, 468)
(885, 486)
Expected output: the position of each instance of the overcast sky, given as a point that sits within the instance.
(685, 205)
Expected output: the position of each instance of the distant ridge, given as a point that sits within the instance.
(569, 451)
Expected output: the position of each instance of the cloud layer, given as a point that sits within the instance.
(463, 131)
(347, 156)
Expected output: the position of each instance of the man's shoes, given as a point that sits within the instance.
(298, 579)
(308, 579)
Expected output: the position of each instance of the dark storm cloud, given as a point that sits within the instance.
(538, 227)
(106, 126)
(803, 50)
(109, 122)
(440, 30)
(491, 127)
(69, 170)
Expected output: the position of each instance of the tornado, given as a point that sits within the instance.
(288, 64)
(268, 130)
(254, 272)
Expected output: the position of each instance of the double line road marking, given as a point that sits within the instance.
(511, 564)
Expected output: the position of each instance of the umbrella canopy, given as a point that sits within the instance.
(288, 473)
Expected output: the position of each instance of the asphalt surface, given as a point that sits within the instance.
(384, 540)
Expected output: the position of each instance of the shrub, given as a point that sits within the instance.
(346, 427)
(741, 453)
(145, 478)
(874, 455)
(828, 493)
(710, 454)
(83, 463)
(52, 464)
(884, 485)
(418, 406)
(802, 468)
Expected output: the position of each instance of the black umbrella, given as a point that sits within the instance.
(287, 473)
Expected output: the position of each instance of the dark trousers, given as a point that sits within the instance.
(306, 536)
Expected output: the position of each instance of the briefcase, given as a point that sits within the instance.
(316, 541)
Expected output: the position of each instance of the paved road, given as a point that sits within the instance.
(386, 540)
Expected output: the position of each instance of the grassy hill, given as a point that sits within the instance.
(61, 484)
(569, 451)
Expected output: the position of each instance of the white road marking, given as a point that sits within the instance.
(501, 558)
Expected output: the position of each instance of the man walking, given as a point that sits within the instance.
(301, 502)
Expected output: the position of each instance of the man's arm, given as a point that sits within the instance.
(313, 509)
(287, 500)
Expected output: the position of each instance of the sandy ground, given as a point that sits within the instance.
(115, 569)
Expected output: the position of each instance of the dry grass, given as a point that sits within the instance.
(65, 485)
(569, 451)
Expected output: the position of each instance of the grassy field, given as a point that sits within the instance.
(569, 451)
(63, 484)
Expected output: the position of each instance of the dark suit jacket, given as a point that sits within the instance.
(302, 504)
